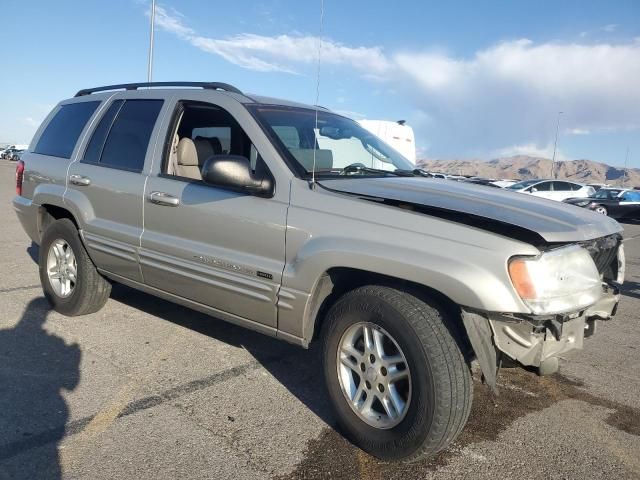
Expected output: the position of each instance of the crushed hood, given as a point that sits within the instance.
(553, 221)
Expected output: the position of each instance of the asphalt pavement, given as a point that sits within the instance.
(145, 389)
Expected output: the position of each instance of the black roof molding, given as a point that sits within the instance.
(134, 86)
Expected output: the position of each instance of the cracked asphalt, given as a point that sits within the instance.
(146, 389)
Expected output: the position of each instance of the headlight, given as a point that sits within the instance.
(557, 281)
(583, 203)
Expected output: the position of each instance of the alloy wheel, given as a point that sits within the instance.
(374, 375)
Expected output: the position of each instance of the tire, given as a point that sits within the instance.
(601, 210)
(89, 292)
(440, 390)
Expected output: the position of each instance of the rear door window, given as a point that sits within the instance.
(563, 187)
(630, 197)
(122, 137)
(94, 150)
(60, 136)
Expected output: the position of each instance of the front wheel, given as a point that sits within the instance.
(601, 210)
(398, 381)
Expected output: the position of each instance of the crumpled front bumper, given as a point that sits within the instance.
(535, 341)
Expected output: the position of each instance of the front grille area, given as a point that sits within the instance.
(604, 252)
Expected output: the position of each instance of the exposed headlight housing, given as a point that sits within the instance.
(621, 264)
(558, 281)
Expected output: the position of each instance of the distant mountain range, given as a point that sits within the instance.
(525, 167)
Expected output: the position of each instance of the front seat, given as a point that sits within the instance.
(188, 165)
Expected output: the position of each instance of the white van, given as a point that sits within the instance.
(398, 134)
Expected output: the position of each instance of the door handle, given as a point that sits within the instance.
(80, 180)
(161, 198)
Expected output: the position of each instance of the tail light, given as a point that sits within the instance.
(19, 176)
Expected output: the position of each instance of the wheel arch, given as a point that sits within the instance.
(49, 213)
(337, 281)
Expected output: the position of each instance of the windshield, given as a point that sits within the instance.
(338, 142)
(602, 193)
(521, 185)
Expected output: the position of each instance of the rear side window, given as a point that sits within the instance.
(564, 186)
(61, 134)
(121, 138)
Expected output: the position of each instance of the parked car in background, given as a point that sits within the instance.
(553, 189)
(598, 186)
(8, 152)
(614, 202)
(504, 183)
(487, 182)
(15, 155)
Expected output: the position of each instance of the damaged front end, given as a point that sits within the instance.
(538, 340)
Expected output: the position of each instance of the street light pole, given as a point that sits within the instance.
(153, 21)
(626, 163)
(554, 174)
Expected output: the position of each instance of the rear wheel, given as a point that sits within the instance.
(396, 377)
(70, 281)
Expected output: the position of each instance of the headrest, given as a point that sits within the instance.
(187, 153)
(204, 148)
(216, 144)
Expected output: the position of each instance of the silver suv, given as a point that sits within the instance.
(296, 222)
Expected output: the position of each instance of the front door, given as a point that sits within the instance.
(213, 246)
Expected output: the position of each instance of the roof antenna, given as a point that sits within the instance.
(315, 138)
(153, 21)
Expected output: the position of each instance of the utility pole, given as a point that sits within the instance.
(153, 21)
(626, 162)
(554, 174)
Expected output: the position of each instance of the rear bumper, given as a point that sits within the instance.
(27, 213)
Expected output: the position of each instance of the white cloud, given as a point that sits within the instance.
(507, 94)
(612, 27)
(510, 93)
(530, 149)
(274, 54)
(578, 131)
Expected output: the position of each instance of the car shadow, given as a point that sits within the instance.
(33, 251)
(297, 369)
(36, 366)
(630, 289)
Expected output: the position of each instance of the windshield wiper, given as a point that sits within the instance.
(360, 168)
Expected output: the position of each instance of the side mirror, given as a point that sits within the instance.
(533, 189)
(234, 172)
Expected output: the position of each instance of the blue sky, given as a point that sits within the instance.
(476, 79)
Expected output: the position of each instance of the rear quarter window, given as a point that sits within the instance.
(61, 134)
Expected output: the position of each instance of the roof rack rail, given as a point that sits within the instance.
(134, 86)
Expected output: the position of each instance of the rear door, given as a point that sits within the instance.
(208, 244)
(629, 205)
(107, 183)
(562, 190)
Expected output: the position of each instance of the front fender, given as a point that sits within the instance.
(444, 270)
